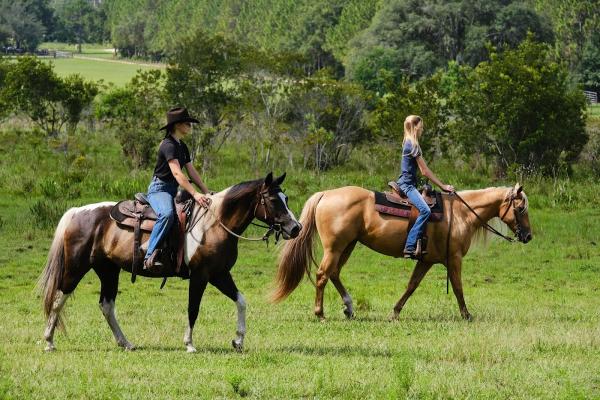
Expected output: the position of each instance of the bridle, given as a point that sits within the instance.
(273, 228)
(490, 228)
(485, 225)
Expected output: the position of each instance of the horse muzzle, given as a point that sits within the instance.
(525, 237)
(291, 230)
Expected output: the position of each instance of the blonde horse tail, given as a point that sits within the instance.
(297, 254)
(51, 277)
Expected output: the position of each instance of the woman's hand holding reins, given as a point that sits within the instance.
(448, 188)
(201, 199)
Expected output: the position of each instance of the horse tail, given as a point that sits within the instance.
(297, 254)
(51, 277)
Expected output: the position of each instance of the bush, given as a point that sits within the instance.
(590, 156)
(519, 109)
(48, 100)
(136, 113)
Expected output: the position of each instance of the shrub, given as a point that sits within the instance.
(136, 113)
(520, 109)
(49, 101)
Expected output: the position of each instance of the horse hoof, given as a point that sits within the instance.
(190, 349)
(349, 314)
(239, 347)
(50, 348)
(393, 317)
(468, 317)
(128, 347)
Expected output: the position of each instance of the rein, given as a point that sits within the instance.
(487, 226)
(274, 228)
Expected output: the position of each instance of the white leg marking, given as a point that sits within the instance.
(108, 309)
(238, 342)
(187, 340)
(57, 306)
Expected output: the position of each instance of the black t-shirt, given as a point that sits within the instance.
(168, 150)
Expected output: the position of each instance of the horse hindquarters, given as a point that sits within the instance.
(68, 261)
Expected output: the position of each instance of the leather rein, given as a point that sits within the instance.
(486, 226)
(273, 228)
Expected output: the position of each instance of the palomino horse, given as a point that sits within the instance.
(86, 238)
(347, 215)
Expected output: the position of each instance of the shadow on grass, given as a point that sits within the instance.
(334, 350)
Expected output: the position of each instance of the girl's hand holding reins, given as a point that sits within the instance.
(201, 199)
(448, 188)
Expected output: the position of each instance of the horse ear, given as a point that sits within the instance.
(269, 179)
(518, 190)
(280, 180)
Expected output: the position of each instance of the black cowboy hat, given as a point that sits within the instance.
(176, 115)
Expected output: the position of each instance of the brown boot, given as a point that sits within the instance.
(151, 263)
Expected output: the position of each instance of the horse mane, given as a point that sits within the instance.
(238, 192)
(482, 235)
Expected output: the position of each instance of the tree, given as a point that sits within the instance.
(76, 19)
(330, 117)
(136, 112)
(422, 36)
(201, 76)
(424, 98)
(48, 100)
(520, 109)
(589, 69)
(20, 25)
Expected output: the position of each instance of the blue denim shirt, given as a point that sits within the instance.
(408, 167)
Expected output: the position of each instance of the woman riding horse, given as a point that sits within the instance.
(87, 238)
(173, 156)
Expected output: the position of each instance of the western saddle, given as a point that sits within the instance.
(396, 203)
(138, 215)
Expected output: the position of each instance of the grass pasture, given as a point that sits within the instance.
(536, 307)
(536, 332)
(116, 72)
(96, 62)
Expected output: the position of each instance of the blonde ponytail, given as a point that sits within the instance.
(413, 127)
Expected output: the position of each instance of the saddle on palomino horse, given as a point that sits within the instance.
(139, 215)
(396, 203)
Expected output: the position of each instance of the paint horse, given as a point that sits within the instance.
(344, 216)
(87, 238)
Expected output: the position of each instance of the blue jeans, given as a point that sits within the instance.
(416, 231)
(160, 196)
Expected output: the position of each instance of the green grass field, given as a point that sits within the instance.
(96, 63)
(110, 72)
(536, 307)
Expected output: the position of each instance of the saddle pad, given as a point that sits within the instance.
(384, 206)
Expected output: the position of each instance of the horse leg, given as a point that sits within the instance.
(70, 279)
(326, 268)
(109, 284)
(335, 279)
(419, 272)
(197, 286)
(224, 282)
(57, 307)
(454, 271)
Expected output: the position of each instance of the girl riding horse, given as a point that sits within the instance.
(412, 157)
